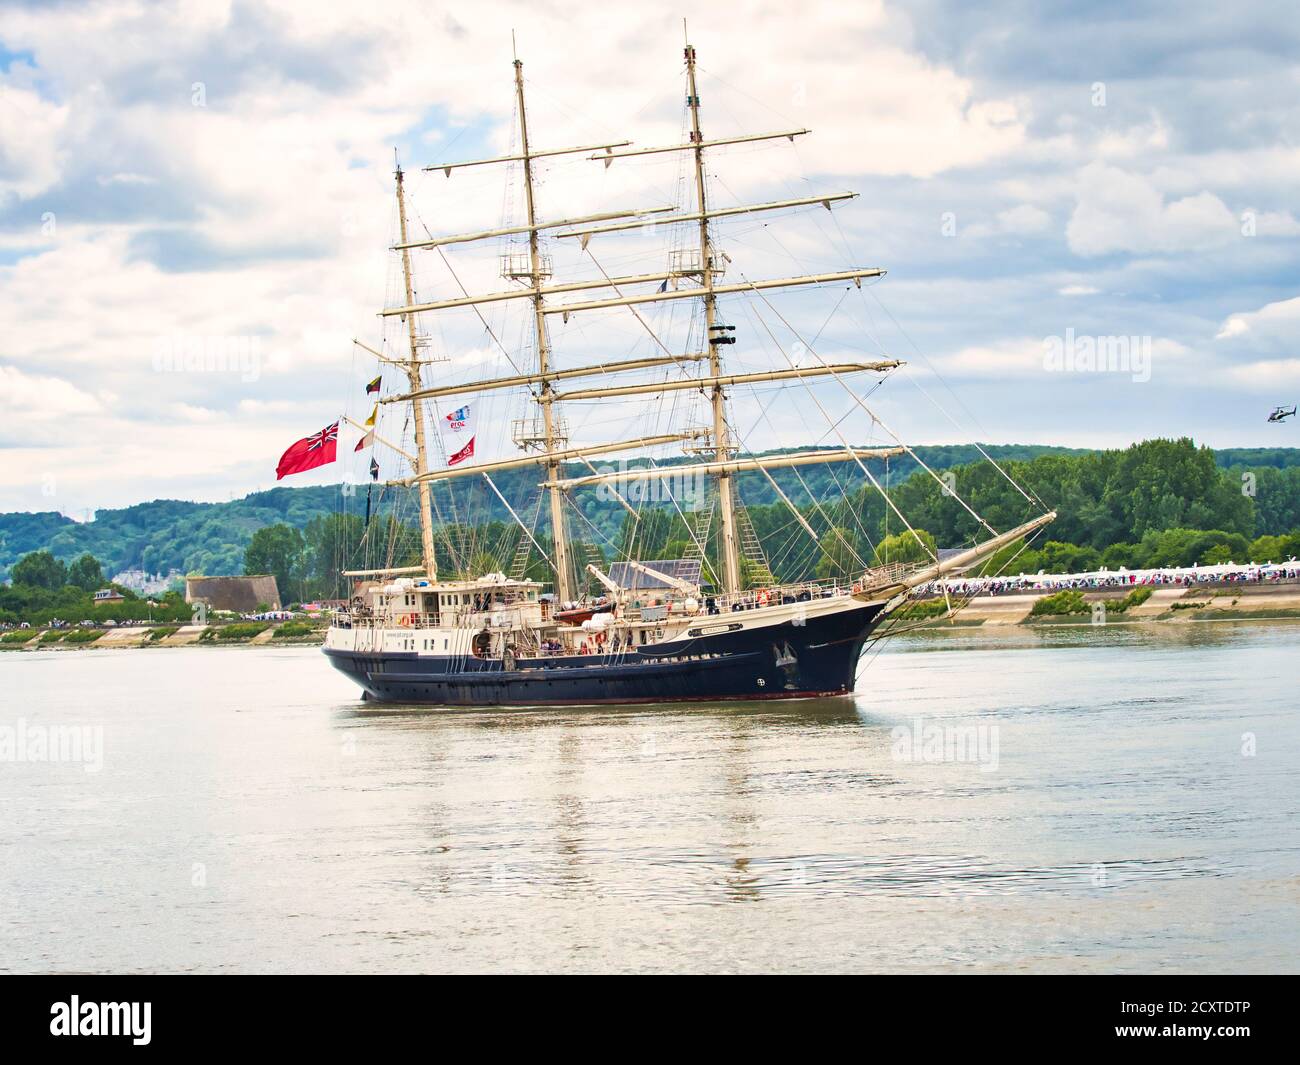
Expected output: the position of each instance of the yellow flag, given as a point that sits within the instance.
(373, 414)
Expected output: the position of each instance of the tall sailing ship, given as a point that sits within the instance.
(713, 625)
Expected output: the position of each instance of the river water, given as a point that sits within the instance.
(1113, 799)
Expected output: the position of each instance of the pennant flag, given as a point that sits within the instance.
(366, 441)
(664, 286)
(373, 415)
(458, 421)
(374, 470)
(310, 452)
(373, 386)
(467, 452)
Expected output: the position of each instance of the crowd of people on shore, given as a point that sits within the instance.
(1184, 576)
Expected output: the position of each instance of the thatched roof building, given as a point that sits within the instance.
(240, 594)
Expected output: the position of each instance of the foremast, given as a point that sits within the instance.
(412, 366)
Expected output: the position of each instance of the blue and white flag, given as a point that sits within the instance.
(458, 421)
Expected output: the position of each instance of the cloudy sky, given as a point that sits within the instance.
(217, 178)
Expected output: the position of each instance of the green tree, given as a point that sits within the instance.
(1058, 557)
(1011, 561)
(86, 573)
(1231, 547)
(40, 569)
(1275, 548)
(905, 547)
(839, 556)
(477, 565)
(279, 550)
(1120, 556)
(332, 541)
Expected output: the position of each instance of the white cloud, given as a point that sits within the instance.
(1275, 327)
(266, 213)
(125, 179)
(1019, 357)
(1024, 220)
(30, 142)
(1120, 211)
(1138, 141)
(1026, 357)
(41, 398)
(1266, 374)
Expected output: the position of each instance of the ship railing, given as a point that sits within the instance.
(662, 606)
(468, 618)
(409, 620)
(799, 591)
(885, 576)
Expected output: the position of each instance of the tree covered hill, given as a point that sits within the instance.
(211, 538)
(1102, 496)
(164, 534)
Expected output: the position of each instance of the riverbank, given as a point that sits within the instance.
(1164, 606)
(289, 634)
(1173, 604)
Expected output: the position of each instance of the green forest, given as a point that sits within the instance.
(43, 588)
(1161, 502)
(211, 538)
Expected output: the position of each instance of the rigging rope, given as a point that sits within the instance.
(872, 415)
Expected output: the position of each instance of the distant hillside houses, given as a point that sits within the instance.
(143, 583)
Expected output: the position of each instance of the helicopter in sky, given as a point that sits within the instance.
(1281, 414)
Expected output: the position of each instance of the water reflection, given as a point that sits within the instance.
(699, 802)
(1121, 826)
(798, 712)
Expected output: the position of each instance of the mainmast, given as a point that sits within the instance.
(728, 546)
(417, 404)
(563, 585)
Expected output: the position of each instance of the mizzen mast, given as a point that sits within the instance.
(417, 406)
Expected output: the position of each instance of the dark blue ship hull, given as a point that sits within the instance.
(815, 657)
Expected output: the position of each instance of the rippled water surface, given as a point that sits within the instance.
(251, 815)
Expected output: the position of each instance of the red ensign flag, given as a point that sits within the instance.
(467, 452)
(309, 452)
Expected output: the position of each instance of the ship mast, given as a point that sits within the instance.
(728, 548)
(548, 442)
(563, 585)
(417, 405)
